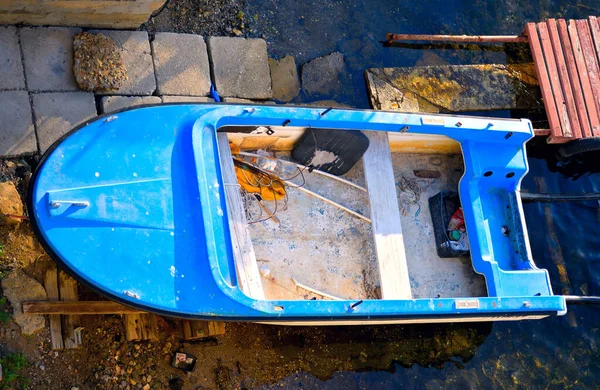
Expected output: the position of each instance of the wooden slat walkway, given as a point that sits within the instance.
(567, 56)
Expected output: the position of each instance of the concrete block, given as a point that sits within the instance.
(17, 134)
(323, 76)
(240, 67)
(138, 62)
(247, 101)
(181, 64)
(48, 53)
(114, 103)
(186, 99)
(57, 113)
(11, 66)
(284, 78)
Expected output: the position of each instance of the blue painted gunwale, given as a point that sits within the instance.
(171, 253)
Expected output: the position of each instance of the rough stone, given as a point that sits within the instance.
(454, 88)
(48, 53)
(10, 203)
(19, 287)
(181, 64)
(186, 99)
(11, 66)
(284, 78)
(17, 134)
(114, 103)
(135, 49)
(323, 75)
(246, 101)
(240, 67)
(98, 63)
(57, 113)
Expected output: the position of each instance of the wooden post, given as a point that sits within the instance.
(68, 292)
(194, 330)
(51, 286)
(140, 326)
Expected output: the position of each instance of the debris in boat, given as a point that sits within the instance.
(264, 271)
(315, 291)
(448, 225)
(427, 173)
(98, 63)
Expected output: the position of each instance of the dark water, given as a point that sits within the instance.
(559, 352)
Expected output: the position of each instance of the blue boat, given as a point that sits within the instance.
(140, 206)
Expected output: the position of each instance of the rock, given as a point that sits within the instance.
(10, 203)
(322, 76)
(98, 63)
(186, 99)
(284, 78)
(19, 287)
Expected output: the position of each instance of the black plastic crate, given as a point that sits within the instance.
(441, 207)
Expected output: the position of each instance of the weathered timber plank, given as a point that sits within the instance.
(544, 79)
(586, 88)
(68, 293)
(595, 30)
(454, 88)
(559, 98)
(193, 330)
(141, 326)
(78, 307)
(243, 250)
(51, 286)
(385, 218)
(591, 61)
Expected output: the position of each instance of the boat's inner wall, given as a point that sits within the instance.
(330, 250)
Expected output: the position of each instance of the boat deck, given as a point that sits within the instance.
(332, 251)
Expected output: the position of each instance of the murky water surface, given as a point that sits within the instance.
(556, 352)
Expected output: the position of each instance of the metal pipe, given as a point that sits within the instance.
(456, 38)
(546, 198)
(581, 300)
(329, 175)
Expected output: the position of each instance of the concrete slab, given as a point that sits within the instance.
(240, 67)
(186, 99)
(181, 64)
(17, 134)
(138, 62)
(323, 76)
(284, 78)
(48, 53)
(11, 66)
(114, 103)
(58, 112)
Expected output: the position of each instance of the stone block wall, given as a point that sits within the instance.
(88, 13)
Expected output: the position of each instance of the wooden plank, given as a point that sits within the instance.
(544, 80)
(193, 329)
(68, 293)
(51, 286)
(385, 218)
(559, 99)
(78, 307)
(586, 87)
(140, 326)
(595, 30)
(591, 61)
(567, 82)
(243, 250)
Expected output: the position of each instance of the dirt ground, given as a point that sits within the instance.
(247, 356)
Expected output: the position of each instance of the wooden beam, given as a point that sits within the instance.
(243, 251)
(68, 293)
(78, 307)
(195, 329)
(456, 38)
(544, 80)
(51, 286)
(385, 218)
(591, 60)
(140, 326)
